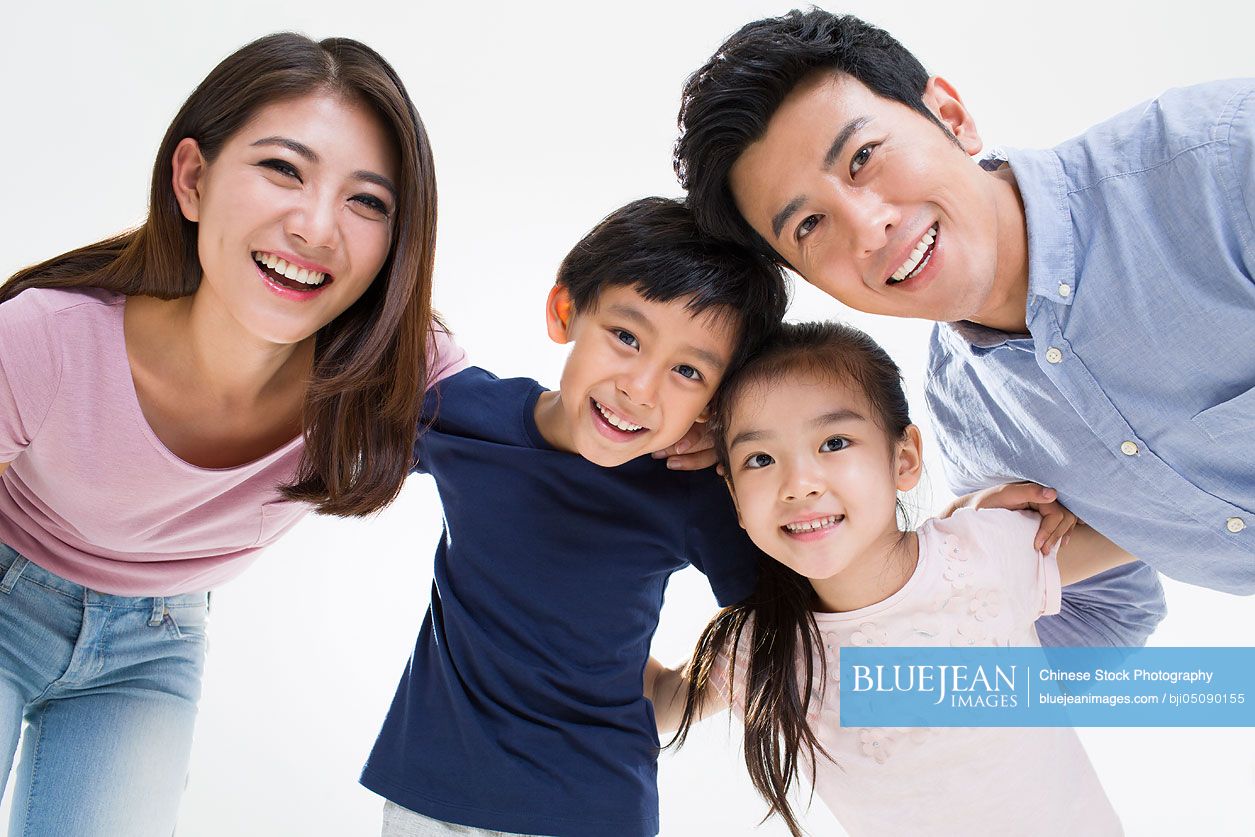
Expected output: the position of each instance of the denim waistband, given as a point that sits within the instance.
(30, 571)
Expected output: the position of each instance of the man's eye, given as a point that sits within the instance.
(834, 444)
(860, 159)
(627, 338)
(283, 167)
(808, 224)
(688, 372)
(758, 460)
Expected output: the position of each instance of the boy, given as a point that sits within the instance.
(522, 707)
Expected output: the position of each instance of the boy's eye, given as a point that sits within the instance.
(808, 224)
(627, 338)
(758, 460)
(860, 159)
(283, 167)
(686, 371)
(834, 444)
(372, 203)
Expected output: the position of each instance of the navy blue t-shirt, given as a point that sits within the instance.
(521, 708)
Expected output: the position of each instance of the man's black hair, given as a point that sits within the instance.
(655, 246)
(728, 101)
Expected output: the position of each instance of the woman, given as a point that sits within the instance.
(175, 398)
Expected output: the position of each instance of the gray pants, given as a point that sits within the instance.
(402, 822)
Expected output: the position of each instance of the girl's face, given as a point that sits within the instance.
(814, 477)
(295, 214)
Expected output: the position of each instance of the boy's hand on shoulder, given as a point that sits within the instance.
(1056, 521)
(696, 450)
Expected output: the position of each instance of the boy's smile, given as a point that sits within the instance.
(640, 373)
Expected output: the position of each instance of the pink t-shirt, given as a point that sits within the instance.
(978, 582)
(92, 494)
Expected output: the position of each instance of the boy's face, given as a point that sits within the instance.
(857, 191)
(639, 375)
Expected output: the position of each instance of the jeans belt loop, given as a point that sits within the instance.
(13, 574)
(159, 612)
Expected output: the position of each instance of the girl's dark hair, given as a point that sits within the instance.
(782, 677)
(728, 101)
(362, 404)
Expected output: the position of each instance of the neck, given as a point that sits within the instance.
(882, 570)
(551, 421)
(1008, 298)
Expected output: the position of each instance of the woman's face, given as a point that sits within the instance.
(295, 214)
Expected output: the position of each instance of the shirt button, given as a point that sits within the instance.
(1064, 290)
(1128, 448)
(1053, 355)
(1235, 524)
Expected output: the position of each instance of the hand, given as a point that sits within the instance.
(693, 452)
(1056, 521)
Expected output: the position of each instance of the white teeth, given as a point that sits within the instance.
(290, 271)
(913, 261)
(812, 525)
(615, 420)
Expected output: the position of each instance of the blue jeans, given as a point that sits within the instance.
(108, 687)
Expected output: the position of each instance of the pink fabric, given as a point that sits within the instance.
(978, 582)
(92, 494)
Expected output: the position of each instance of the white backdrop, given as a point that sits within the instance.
(543, 119)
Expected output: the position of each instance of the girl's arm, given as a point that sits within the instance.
(1085, 553)
(667, 689)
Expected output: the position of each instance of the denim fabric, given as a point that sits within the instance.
(108, 687)
(1134, 392)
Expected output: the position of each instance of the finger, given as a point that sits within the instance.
(1044, 529)
(694, 461)
(1067, 521)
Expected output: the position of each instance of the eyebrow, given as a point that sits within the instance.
(303, 150)
(835, 417)
(834, 151)
(638, 318)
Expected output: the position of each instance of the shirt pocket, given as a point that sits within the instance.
(1237, 415)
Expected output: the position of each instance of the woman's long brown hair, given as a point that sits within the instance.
(362, 403)
(787, 668)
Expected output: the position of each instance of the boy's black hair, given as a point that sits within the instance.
(727, 103)
(655, 246)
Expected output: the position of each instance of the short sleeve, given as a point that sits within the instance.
(30, 369)
(1006, 539)
(444, 356)
(715, 542)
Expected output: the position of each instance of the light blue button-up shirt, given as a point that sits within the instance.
(1134, 392)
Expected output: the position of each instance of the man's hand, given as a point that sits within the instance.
(1056, 521)
(693, 452)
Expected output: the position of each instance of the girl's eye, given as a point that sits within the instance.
(689, 372)
(627, 338)
(860, 159)
(834, 444)
(758, 460)
(372, 203)
(808, 224)
(283, 167)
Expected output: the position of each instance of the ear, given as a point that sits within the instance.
(704, 415)
(558, 314)
(943, 100)
(909, 459)
(188, 166)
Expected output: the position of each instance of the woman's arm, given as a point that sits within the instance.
(667, 689)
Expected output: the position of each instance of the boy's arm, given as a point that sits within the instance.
(667, 689)
(1087, 553)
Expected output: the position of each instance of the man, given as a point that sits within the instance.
(1094, 302)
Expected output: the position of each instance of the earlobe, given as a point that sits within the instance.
(943, 100)
(187, 168)
(558, 314)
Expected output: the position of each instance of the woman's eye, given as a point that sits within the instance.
(372, 203)
(689, 372)
(758, 460)
(836, 443)
(860, 159)
(627, 338)
(808, 224)
(282, 167)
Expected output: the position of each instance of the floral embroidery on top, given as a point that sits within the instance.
(869, 634)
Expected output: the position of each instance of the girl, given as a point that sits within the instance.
(174, 398)
(816, 442)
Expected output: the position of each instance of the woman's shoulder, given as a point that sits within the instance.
(45, 301)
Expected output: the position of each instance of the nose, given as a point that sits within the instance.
(870, 220)
(640, 386)
(801, 482)
(313, 220)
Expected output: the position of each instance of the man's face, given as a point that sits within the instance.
(875, 205)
